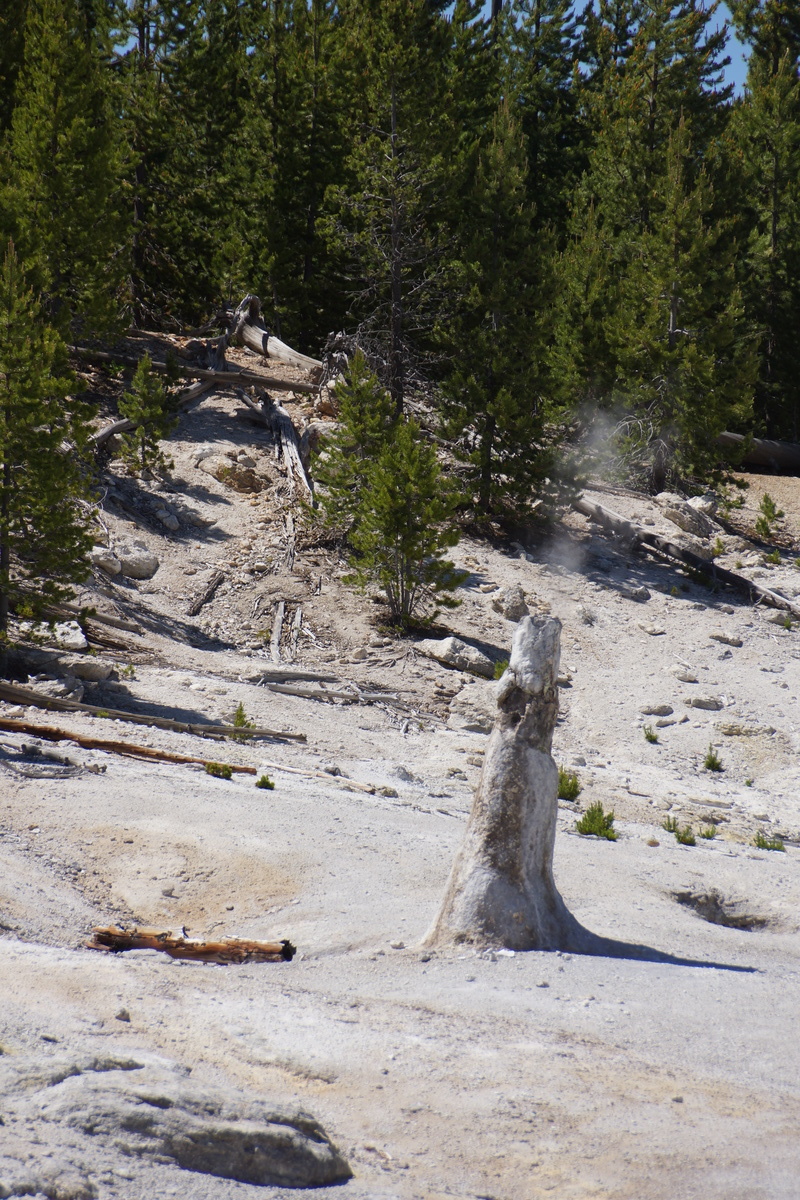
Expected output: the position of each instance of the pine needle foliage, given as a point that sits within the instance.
(148, 405)
(43, 435)
(596, 822)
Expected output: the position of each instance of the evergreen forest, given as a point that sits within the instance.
(554, 222)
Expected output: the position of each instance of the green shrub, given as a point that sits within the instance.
(569, 787)
(218, 770)
(500, 668)
(712, 762)
(769, 509)
(774, 559)
(650, 734)
(597, 822)
(685, 836)
(670, 825)
(767, 843)
(264, 781)
(241, 724)
(709, 832)
(718, 547)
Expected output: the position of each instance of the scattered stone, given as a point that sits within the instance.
(640, 594)
(665, 722)
(652, 630)
(690, 520)
(91, 670)
(694, 546)
(360, 654)
(727, 639)
(401, 772)
(245, 460)
(683, 674)
(707, 504)
(737, 729)
(389, 792)
(657, 710)
(68, 688)
(123, 1015)
(167, 519)
(136, 561)
(778, 617)
(452, 652)
(331, 769)
(511, 603)
(105, 559)
(711, 703)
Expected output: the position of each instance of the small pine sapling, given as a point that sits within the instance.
(712, 762)
(500, 668)
(241, 724)
(709, 832)
(218, 770)
(596, 822)
(670, 825)
(685, 836)
(148, 406)
(762, 842)
(650, 735)
(569, 787)
(265, 782)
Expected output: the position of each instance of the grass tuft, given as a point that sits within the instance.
(650, 735)
(685, 836)
(264, 781)
(762, 842)
(500, 668)
(712, 762)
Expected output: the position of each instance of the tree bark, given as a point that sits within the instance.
(252, 333)
(501, 891)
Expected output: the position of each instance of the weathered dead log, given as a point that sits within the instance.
(226, 378)
(20, 695)
(65, 609)
(277, 630)
(115, 939)
(124, 749)
(783, 457)
(637, 535)
(214, 582)
(275, 417)
(252, 334)
(501, 890)
(184, 399)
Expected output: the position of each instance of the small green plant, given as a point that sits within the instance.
(738, 564)
(709, 832)
(670, 825)
(102, 712)
(712, 762)
(264, 781)
(149, 406)
(241, 724)
(569, 787)
(650, 735)
(786, 623)
(718, 548)
(685, 836)
(774, 559)
(769, 509)
(797, 563)
(500, 668)
(596, 822)
(749, 782)
(673, 591)
(128, 672)
(762, 842)
(218, 770)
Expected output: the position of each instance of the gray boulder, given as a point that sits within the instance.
(105, 559)
(474, 708)
(687, 518)
(452, 652)
(136, 561)
(511, 603)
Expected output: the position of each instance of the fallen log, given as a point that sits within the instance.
(277, 630)
(252, 334)
(275, 417)
(213, 583)
(20, 695)
(638, 535)
(783, 457)
(224, 378)
(124, 749)
(116, 940)
(101, 436)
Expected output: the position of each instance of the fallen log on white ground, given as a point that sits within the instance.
(116, 939)
(226, 378)
(21, 695)
(247, 328)
(637, 535)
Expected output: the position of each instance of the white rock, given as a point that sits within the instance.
(168, 519)
(107, 561)
(67, 635)
(92, 670)
(137, 562)
(452, 652)
(687, 518)
(511, 603)
(474, 708)
(712, 703)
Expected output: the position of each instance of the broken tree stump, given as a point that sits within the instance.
(501, 890)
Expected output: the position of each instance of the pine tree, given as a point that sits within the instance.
(404, 525)
(366, 421)
(495, 335)
(766, 135)
(147, 405)
(43, 435)
(63, 162)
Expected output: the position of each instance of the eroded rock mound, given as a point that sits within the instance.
(150, 1108)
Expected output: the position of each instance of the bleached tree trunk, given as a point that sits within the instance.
(501, 890)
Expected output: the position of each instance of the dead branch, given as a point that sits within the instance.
(226, 378)
(20, 695)
(638, 535)
(125, 749)
(229, 950)
(277, 630)
(185, 398)
(214, 582)
(252, 334)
